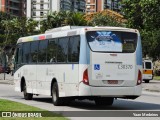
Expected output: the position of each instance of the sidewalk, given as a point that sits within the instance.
(8, 79)
(153, 86)
(7, 82)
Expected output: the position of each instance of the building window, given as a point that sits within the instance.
(41, 13)
(41, 6)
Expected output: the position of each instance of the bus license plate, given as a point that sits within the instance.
(112, 81)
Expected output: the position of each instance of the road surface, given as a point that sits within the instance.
(148, 101)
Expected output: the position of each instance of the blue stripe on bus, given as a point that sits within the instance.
(72, 66)
(88, 54)
(139, 52)
(64, 77)
(84, 57)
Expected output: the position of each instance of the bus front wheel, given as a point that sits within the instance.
(27, 96)
(55, 95)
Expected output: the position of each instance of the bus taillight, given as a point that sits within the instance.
(85, 77)
(139, 80)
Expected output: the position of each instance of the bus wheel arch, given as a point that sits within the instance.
(57, 101)
(27, 96)
(53, 81)
(22, 84)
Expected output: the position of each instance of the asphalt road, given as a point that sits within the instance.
(149, 101)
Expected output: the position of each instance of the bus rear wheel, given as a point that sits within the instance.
(27, 96)
(146, 81)
(104, 101)
(57, 101)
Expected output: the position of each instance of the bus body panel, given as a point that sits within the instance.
(39, 81)
(85, 90)
(112, 66)
(123, 68)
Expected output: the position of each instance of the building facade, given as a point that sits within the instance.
(14, 7)
(2, 5)
(38, 9)
(99, 5)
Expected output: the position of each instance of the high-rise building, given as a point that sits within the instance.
(91, 6)
(112, 4)
(2, 5)
(14, 7)
(99, 5)
(79, 5)
(38, 9)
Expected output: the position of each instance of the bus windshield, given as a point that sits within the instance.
(112, 41)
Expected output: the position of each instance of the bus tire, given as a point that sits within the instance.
(57, 101)
(27, 96)
(101, 101)
(146, 81)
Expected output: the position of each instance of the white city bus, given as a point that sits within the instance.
(95, 63)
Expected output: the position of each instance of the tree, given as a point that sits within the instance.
(13, 28)
(75, 19)
(151, 14)
(105, 18)
(145, 16)
(132, 12)
(63, 18)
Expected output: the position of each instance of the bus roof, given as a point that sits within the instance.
(48, 33)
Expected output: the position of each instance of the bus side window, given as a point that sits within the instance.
(52, 51)
(26, 52)
(62, 50)
(18, 58)
(74, 49)
(34, 52)
(42, 51)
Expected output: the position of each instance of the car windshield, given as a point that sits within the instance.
(148, 65)
(112, 41)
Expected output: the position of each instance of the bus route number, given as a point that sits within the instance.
(125, 66)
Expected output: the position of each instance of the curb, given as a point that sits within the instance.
(151, 93)
(11, 82)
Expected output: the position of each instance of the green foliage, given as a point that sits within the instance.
(75, 19)
(145, 16)
(132, 12)
(104, 20)
(63, 18)
(13, 27)
(6, 105)
(151, 14)
(151, 43)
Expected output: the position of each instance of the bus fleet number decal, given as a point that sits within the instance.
(125, 66)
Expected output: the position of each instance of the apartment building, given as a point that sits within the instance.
(78, 5)
(2, 5)
(14, 7)
(38, 9)
(99, 5)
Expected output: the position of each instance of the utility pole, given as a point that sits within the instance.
(4, 58)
